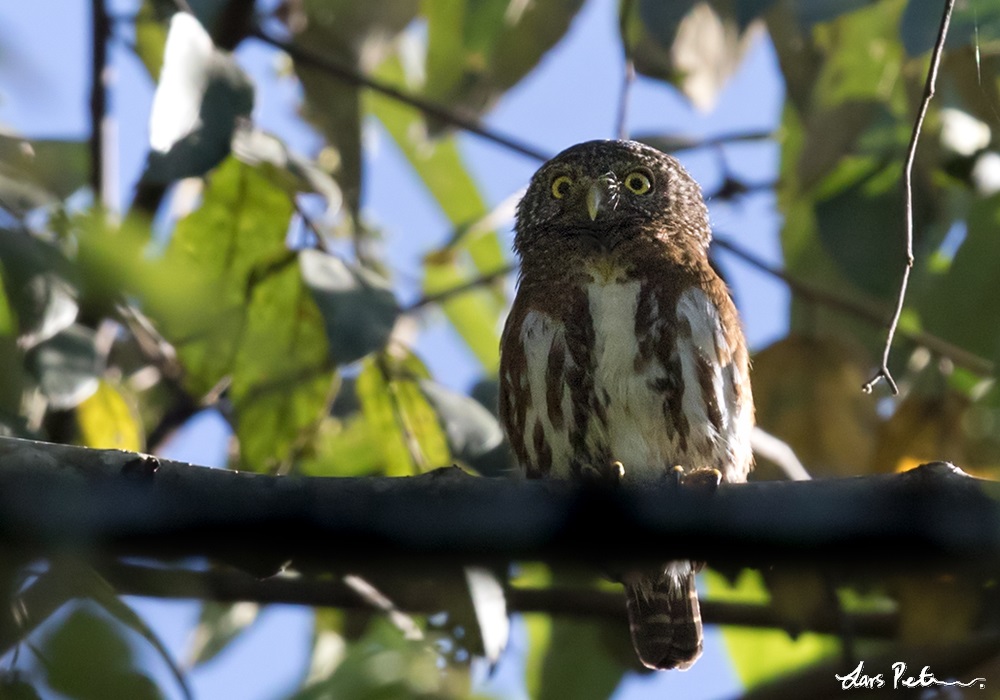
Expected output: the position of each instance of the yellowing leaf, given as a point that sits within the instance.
(108, 420)
(922, 601)
(799, 595)
(405, 426)
(924, 428)
(807, 392)
(760, 655)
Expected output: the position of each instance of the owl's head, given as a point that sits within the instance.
(598, 195)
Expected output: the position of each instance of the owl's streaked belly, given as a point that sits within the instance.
(634, 401)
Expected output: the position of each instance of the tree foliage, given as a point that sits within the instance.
(248, 279)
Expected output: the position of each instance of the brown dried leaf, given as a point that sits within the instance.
(807, 393)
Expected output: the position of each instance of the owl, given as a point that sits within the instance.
(623, 357)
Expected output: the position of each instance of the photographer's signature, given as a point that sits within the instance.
(900, 679)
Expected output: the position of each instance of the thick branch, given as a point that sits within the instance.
(55, 497)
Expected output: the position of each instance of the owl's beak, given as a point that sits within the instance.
(596, 197)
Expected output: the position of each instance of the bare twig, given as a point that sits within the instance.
(935, 344)
(349, 75)
(465, 287)
(623, 100)
(374, 598)
(311, 225)
(778, 451)
(101, 30)
(929, 85)
(629, 77)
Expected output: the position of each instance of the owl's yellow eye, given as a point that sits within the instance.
(560, 186)
(638, 183)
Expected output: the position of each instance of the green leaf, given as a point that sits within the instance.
(475, 316)
(382, 664)
(201, 95)
(695, 46)
(328, 646)
(478, 50)
(862, 58)
(975, 23)
(963, 305)
(89, 659)
(275, 420)
(471, 429)
(287, 169)
(261, 329)
(66, 366)
(358, 307)
(862, 228)
(761, 655)
(109, 420)
(409, 435)
(563, 674)
(12, 687)
(87, 640)
(357, 35)
(218, 625)
(39, 172)
(235, 237)
(805, 256)
(36, 287)
(343, 447)
(8, 317)
(151, 35)
(281, 378)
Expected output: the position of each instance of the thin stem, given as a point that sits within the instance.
(101, 30)
(416, 452)
(629, 77)
(460, 289)
(349, 75)
(911, 152)
(234, 586)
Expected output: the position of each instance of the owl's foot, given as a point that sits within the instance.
(610, 475)
(704, 479)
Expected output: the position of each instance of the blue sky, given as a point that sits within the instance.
(572, 96)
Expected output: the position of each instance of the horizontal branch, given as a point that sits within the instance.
(236, 586)
(57, 497)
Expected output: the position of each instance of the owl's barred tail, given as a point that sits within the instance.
(665, 621)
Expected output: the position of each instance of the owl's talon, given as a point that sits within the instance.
(706, 479)
(676, 474)
(617, 471)
(611, 475)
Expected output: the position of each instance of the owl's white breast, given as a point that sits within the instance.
(635, 431)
